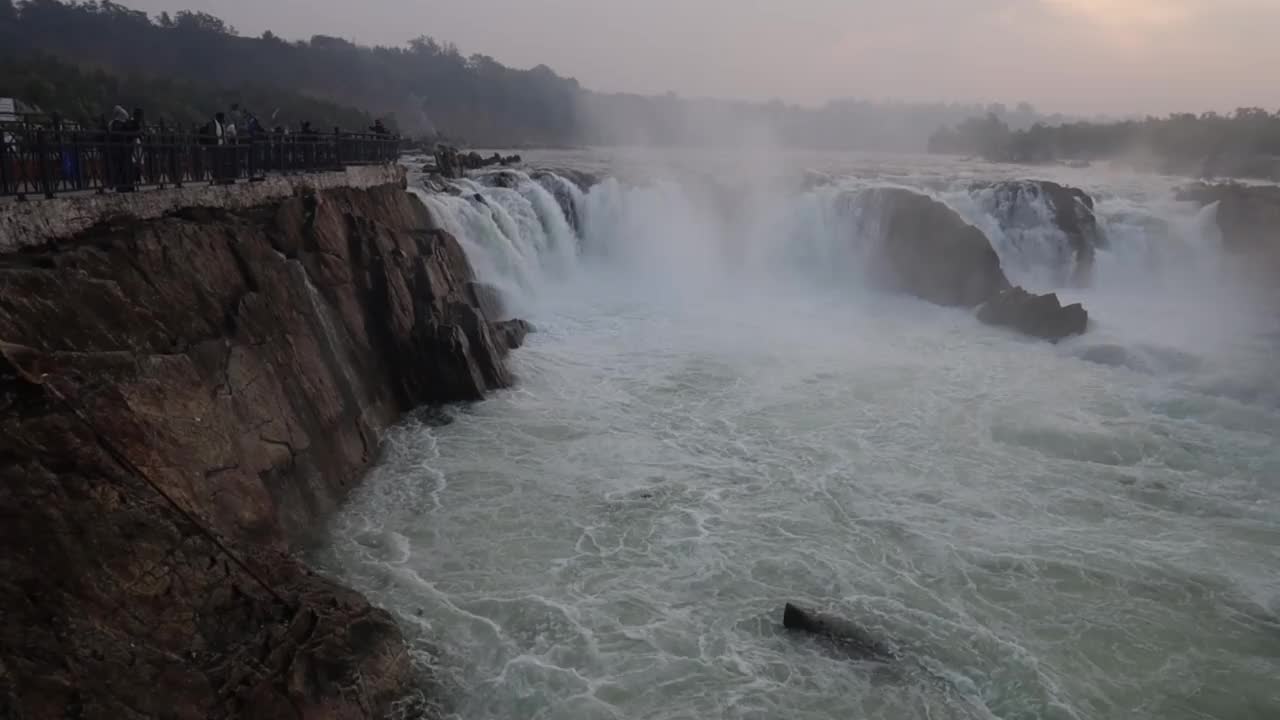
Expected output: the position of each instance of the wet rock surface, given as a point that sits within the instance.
(855, 641)
(1041, 316)
(929, 251)
(184, 401)
(1247, 215)
(1071, 211)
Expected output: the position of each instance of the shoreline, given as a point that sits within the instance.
(189, 398)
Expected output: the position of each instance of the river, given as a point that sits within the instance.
(717, 416)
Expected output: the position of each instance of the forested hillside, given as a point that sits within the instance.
(80, 59)
(191, 64)
(1245, 143)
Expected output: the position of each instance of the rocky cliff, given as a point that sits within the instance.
(184, 400)
(926, 249)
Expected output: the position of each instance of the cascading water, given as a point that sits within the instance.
(717, 417)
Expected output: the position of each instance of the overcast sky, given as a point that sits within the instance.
(1087, 56)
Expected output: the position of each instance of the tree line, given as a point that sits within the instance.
(82, 58)
(1245, 143)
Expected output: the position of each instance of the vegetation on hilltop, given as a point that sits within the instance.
(191, 63)
(1245, 143)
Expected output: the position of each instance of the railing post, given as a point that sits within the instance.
(4, 163)
(45, 183)
(52, 159)
(175, 159)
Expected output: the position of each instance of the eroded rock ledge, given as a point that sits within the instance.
(244, 361)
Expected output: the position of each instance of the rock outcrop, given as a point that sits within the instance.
(566, 190)
(511, 333)
(1247, 215)
(183, 401)
(1070, 210)
(1041, 316)
(452, 163)
(926, 249)
(853, 640)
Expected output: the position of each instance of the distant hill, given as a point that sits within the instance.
(1245, 143)
(82, 58)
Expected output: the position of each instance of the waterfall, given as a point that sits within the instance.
(523, 231)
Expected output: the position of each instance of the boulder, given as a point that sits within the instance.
(928, 250)
(1071, 210)
(855, 641)
(510, 334)
(448, 162)
(503, 179)
(1041, 316)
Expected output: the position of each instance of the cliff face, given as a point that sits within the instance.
(182, 403)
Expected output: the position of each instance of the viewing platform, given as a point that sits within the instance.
(55, 183)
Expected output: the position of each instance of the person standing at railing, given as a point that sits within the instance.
(64, 153)
(138, 165)
(119, 151)
(224, 161)
(307, 138)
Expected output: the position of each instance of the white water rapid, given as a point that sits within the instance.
(716, 416)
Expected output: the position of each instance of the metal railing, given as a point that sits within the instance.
(45, 160)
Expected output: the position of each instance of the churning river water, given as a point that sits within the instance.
(717, 417)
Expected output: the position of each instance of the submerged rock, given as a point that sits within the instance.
(856, 641)
(1041, 316)
(1070, 210)
(928, 250)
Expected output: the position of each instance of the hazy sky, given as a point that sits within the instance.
(1112, 56)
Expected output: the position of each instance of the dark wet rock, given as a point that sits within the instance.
(584, 179)
(452, 163)
(246, 363)
(928, 250)
(1041, 316)
(439, 184)
(489, 299)
(1247, 215)
(448, 162)
(1072, 212)
(558, 186)
(503, 179)
(858, 642)
(511, 333)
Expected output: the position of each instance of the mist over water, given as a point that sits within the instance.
(718, 415)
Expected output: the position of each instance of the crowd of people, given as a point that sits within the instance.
(223, 128)
(124, 150)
